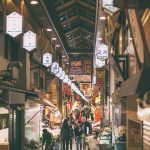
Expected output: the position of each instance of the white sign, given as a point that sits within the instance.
(63, 75)
(55, 67)
(102, 51)
(29, 40)
(108, 4)
(14, 24)
(66, 79)
(99, 63)
(60, 73)
(47, 59)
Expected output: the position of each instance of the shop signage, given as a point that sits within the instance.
(76, 67)
(83, 78)
(47, 59)
(14, 24)
(55, 67)
(101, 53)
(60, 72)
(65, 80)
(108, 4)
(29, 40)
(99, 63)
(63, 75)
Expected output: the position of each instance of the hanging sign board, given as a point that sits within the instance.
(108, 4)
(66, 79)
(101, 53)
(29, 40)
(99, 63)
(47, 59)
(14, 24)
(63, 75)
(60, 73)
(55, 67)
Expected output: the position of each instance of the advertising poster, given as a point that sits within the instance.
(88, 65)
(134, 133)
(76, 67)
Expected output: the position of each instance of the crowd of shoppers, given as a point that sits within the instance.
(76, 127)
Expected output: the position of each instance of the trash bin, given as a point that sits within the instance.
(120, 145)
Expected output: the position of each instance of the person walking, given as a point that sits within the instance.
(71, 135)
(85, 130)
(65, 134)
(47, 140)
(78, 135)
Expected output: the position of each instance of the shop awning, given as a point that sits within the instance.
(136, 84)
(6, 86)
(45, 103)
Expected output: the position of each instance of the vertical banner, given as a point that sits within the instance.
(47, 59)
(29, 40)
(14, 24)
(101, 53)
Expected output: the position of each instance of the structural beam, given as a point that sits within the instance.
(139, 39)
(66, 5)
(132, 3)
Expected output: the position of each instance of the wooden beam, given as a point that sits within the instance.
(69, 20)
(145, 16)
(111, 22)
(87, 20)
(76, 17)
(139, 39)
(65, 5)
(87, 6)
(132, 3)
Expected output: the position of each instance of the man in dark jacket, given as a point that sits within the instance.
(47, 140)
(65, 134)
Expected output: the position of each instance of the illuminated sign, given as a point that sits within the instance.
(60, 72)
(66, 79)
(47, 59)
(101, 53)
(63, 75)
(29, 40)
(108, 4)
(55, 67)
(14, 24)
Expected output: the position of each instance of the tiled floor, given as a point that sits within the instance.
(93, 145)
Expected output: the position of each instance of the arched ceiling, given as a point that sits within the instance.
(75, 23)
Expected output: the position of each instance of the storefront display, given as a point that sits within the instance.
(4, 128)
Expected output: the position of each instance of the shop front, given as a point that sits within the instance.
(4, 118)
(12, 123)
(40, 114)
